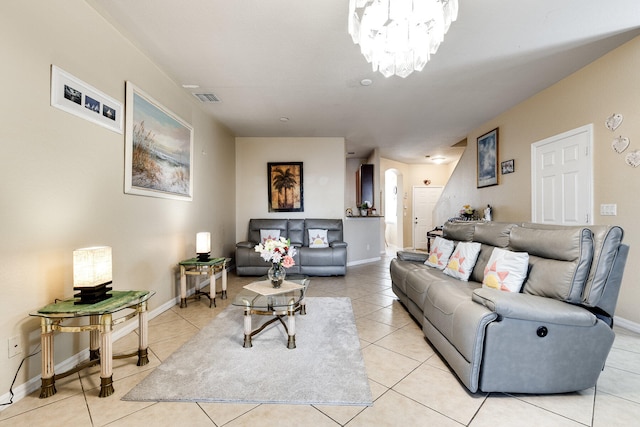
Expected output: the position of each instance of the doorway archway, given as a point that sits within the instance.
(393, 211)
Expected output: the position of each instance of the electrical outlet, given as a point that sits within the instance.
(15, 347)
(609, 209)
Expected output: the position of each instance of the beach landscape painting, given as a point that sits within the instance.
(159, 149)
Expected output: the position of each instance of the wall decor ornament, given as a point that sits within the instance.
(508, 166)
(158, 149)
(620, 144)
(633, 158)
(613, 121)
(74, 96)
(285, 187)
(488, 159)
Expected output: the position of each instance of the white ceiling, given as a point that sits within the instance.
(267, 59)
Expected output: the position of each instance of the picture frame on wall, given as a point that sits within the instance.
(158, 149)
(70, 94)
(285, 187)
(508, 166)
(488, 159)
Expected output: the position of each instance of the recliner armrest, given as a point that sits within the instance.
(246, 245)
(533, 308)
(338, 244)
(412, 256)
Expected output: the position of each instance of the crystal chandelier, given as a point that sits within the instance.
(399, 36)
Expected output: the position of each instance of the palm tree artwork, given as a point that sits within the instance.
(285, 188)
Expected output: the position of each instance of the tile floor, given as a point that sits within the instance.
(410, 383)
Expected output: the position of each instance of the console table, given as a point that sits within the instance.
(100, 327)
(194, 267)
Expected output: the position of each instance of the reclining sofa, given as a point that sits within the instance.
(552, 336)
(312, 261)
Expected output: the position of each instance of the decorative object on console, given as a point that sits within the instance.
(364, 208)
(203, 245)
(488, 159)
(280, 254)
(92, 273)
(285, 187)
(613, 121)
(399, 37)
(467, 212)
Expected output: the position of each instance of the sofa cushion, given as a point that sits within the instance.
(440, 253)
(333, 227)
(269, 235)
(506, 270)
(606, 240)
(318, 238)
(493, 233)
(559, 258)
(255, 225)
(459, 231)
(462, 261)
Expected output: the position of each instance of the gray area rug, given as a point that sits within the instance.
(326, 368)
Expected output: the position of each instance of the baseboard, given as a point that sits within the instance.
(363, 261)
(626, 324)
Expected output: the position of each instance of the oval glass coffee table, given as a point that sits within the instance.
(263, 299)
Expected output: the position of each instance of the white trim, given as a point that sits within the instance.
(363, 261)
(626, 324)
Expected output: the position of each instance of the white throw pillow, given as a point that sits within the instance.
(269, 235)
(440, 253)
(506, 270)
(462, 261)
(318, 238)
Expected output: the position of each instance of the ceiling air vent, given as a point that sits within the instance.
(207, 97)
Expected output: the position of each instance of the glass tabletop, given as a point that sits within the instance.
(119, 301)
(255, 300)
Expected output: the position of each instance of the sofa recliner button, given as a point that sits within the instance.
(542, 331)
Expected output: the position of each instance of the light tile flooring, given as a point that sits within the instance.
(410, 383)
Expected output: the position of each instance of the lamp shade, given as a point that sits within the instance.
(203, 242)
(91, 266)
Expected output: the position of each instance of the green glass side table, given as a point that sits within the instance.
(100, 329)
(193, 267)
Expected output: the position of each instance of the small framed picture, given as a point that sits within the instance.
(74, 96)
(508, 166)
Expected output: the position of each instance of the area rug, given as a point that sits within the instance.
(325, 368)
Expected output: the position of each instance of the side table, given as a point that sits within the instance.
(193, 267)
(100, 329)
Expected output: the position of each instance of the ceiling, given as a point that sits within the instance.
(272, 59)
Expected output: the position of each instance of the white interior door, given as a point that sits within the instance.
(424, 201)
(562, 178)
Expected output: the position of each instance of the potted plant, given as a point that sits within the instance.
(364, 208)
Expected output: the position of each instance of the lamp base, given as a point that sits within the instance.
(203, 257)
(93, 294)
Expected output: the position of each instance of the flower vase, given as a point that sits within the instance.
(276, 274)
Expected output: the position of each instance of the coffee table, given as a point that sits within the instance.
(262, 299)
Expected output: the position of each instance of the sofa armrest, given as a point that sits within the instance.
(338, 244)
(412, 256)
(533, 308)
(250, 245)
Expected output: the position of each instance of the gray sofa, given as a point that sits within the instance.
(331, 261)
(551, 337)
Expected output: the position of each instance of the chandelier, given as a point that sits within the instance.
(399, 36)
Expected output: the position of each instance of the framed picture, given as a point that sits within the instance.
(488, 159)
(158, 149)
(285, 187)
(507, 166)
(80, 99)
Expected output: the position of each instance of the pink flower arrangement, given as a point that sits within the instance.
(277, 251)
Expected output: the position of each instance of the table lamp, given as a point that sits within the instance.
(92, 274)
(203, 245)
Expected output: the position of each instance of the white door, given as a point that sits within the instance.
(424, 201)
(562, 178)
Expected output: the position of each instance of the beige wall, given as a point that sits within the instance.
(323, 177)
(62, 177)
(608, 85)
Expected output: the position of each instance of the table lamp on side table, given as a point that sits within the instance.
(92, 274)
(203, 245)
